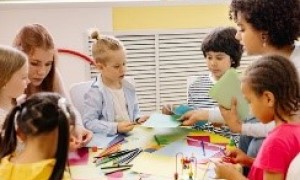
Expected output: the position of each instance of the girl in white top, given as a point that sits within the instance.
(13, 78)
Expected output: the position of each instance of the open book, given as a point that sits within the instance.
(229, 86)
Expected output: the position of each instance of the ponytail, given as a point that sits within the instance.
(8, 142)
(62, 149)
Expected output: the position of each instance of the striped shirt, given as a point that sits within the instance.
(198, 97)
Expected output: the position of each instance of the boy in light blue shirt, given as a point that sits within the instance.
(111, 104)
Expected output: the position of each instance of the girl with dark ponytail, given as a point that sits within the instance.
(43, 123)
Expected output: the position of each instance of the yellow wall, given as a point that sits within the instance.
(170, 17)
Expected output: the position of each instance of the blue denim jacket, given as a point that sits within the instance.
(99, 115)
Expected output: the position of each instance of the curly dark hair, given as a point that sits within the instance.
(279, 18)
(278, 75)
(223, 39)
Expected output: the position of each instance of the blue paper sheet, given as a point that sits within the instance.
(100, 140)
(161, 120)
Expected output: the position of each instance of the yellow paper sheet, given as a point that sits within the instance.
(163, 166)
(148, 163)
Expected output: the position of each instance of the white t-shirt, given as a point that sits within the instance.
(121, 112)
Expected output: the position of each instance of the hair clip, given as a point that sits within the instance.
(21, 99)
(62, 104)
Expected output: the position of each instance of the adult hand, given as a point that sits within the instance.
(74, 143)
(167, 109)
(227, 171)
(125, 126)
(231, 118)
(80, 137)
(191, 117)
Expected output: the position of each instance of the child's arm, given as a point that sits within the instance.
(257, 129)
(214, 115)
(235, 124)
(93, 118)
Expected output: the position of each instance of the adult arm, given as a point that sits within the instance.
(60, 89)
(83, 136)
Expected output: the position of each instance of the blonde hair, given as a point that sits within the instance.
(11, 60)
(103, 45)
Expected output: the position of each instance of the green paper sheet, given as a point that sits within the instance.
(227, 87)
(170, 135)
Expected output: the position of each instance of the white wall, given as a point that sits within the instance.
(68, 25)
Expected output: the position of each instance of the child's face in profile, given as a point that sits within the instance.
(261, 106)
(218, 63)
(115, 67)
(17, 83)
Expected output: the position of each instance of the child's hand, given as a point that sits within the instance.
(125, 126)
(142, 119)
(167, 109)
(192, 117)
(238, 156)
(231, 117)
(227, 171)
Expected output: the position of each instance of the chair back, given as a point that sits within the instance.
(294, 169)
(77, 92)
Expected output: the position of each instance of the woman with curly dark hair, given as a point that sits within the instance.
(264, 27)
(267, 26)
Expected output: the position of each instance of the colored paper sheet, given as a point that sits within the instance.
(100, 140)
(182, 109)
(189, 151)
(162, 167)
(149, 163)
(161, 120)
(79, 157)
(200, 138)
(226, 88)
(170, 135)
(214, 138)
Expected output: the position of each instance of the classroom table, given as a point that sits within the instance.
(143, 137)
